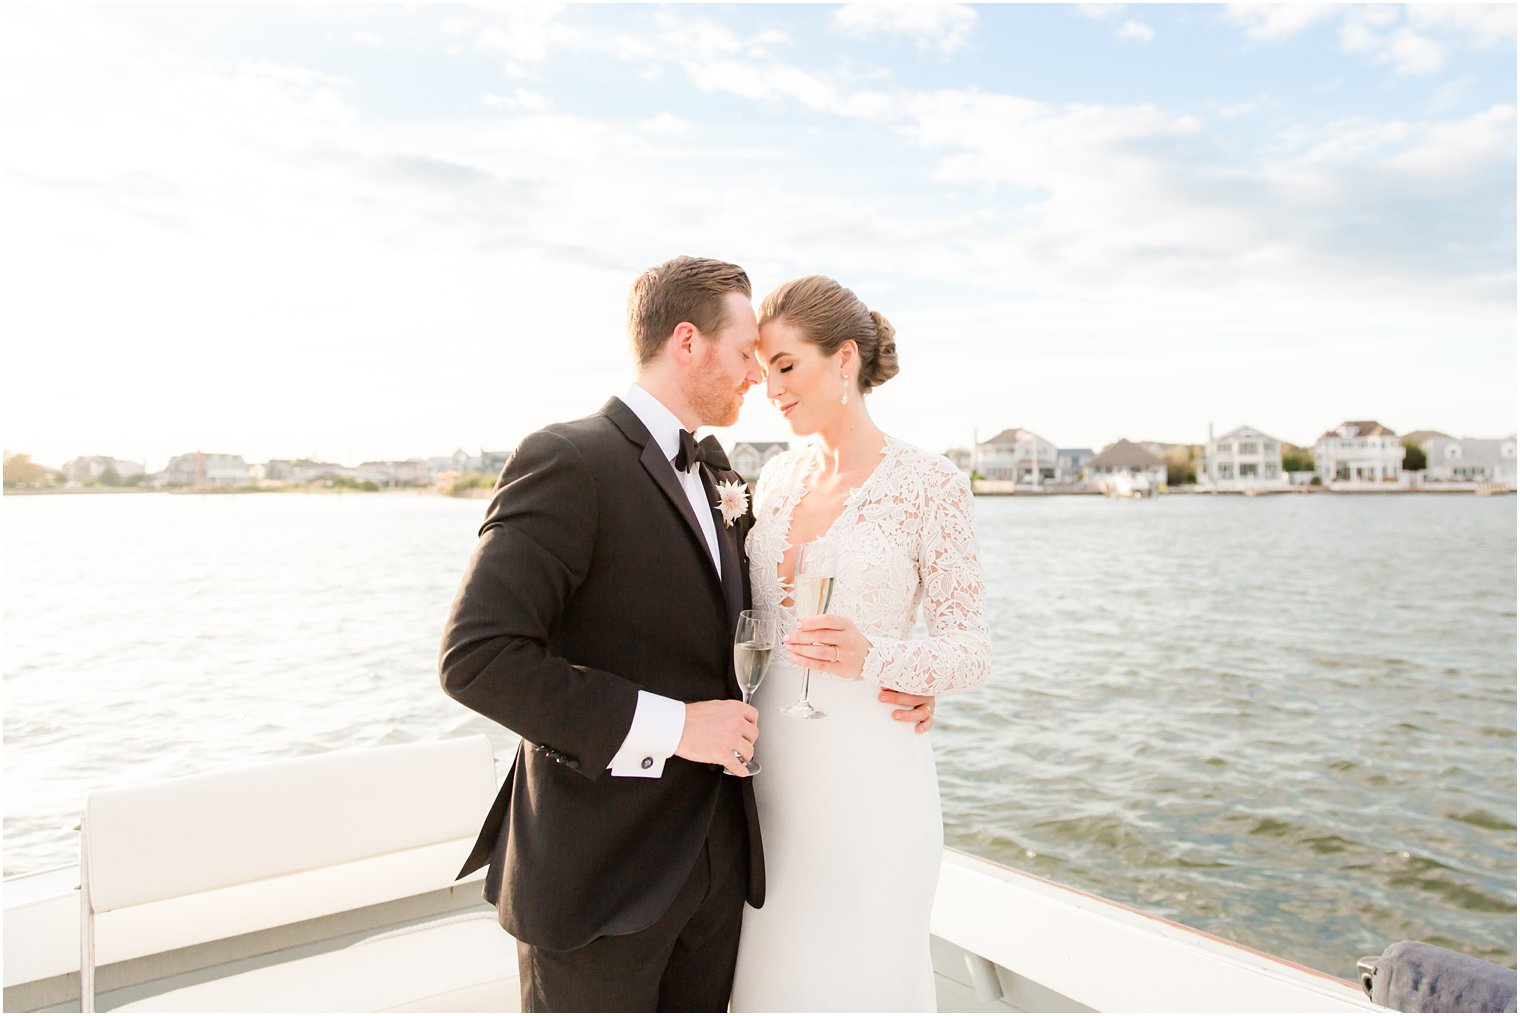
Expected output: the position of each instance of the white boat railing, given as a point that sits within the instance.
(226, 905)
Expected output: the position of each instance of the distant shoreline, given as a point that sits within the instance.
(1197, 492)
(484, 493)
(473, 494)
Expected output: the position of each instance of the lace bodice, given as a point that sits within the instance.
(904, 538)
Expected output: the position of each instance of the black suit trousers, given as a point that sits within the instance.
(684, 962)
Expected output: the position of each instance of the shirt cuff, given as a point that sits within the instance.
(658, 723)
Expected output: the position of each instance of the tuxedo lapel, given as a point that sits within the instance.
(728, 552)
(664, 475)
(659, 468)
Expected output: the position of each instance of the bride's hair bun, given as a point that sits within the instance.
(882, 366)
(829, 315)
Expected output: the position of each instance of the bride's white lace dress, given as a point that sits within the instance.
(849, 805)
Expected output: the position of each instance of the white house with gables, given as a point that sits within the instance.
(89, 467)
(1019, 456)
(206, 469)
(1127, 457)
(1359, 451)
(1243, 458)
(749, 457)
(1470, 459)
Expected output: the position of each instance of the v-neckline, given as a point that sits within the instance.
(791, 512)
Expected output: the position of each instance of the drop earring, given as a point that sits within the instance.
(844, 396)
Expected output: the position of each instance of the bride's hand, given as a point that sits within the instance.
(829, 643)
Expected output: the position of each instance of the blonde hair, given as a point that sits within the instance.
(828, 315)
(682, 289)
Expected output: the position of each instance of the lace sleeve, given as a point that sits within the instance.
(956, 655)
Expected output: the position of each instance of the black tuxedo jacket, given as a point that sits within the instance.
(591, 581)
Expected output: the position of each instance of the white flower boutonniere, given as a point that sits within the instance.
(733, 500)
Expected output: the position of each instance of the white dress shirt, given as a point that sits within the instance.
(659, 721)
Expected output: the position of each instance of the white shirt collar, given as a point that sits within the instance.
(661, 423)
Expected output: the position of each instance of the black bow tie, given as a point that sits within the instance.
(708, 452)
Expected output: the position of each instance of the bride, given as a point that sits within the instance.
(849, 805)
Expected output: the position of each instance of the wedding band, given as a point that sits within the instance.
(836, 655)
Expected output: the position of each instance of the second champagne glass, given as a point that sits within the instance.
(754, 640)
(811, 593)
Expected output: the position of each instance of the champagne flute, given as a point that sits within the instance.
(754, 640)
(811, 592)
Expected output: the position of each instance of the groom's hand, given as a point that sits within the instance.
(715, 730)
(920, 711)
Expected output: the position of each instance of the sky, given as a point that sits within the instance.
(380, 232)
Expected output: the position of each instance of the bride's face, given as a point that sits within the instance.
(801, 382)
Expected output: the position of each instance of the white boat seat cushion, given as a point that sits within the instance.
(467, 965)
(201, 833)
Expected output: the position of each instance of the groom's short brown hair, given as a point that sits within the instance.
(681, 289)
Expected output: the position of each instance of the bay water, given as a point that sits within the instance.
(1288, 720)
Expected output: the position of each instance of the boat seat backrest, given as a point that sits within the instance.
(206, 858)
(196, 834)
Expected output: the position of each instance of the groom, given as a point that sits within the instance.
(596, 619)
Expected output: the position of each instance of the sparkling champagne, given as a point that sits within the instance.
(813, 594)
(750, 661)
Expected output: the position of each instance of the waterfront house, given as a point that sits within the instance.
(961, 457)
(1470, 460)
(492, 463)
(460, 462)
(309, 471)
(1017, 455)
(205, 469)
(1070, 462)
(1421, 439)
(749, 457)
(1127, 457)
(406, 473)
(1244, 458)
(1359, 451)
(90, 467)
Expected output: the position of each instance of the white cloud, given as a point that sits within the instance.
(526, 34)
(1459, 153)
(1100, 12)
(1482, 24)
(945, 27)
(666, 124)
(770, 81)
(1274, 22)
(1412, 53)
(1415, 40)
(521, 98)
(1136, 30)
(1372, 30)
(702, 36)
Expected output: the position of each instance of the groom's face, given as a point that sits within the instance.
(725, 365)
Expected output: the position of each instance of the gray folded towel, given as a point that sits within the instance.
(1416, 977)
